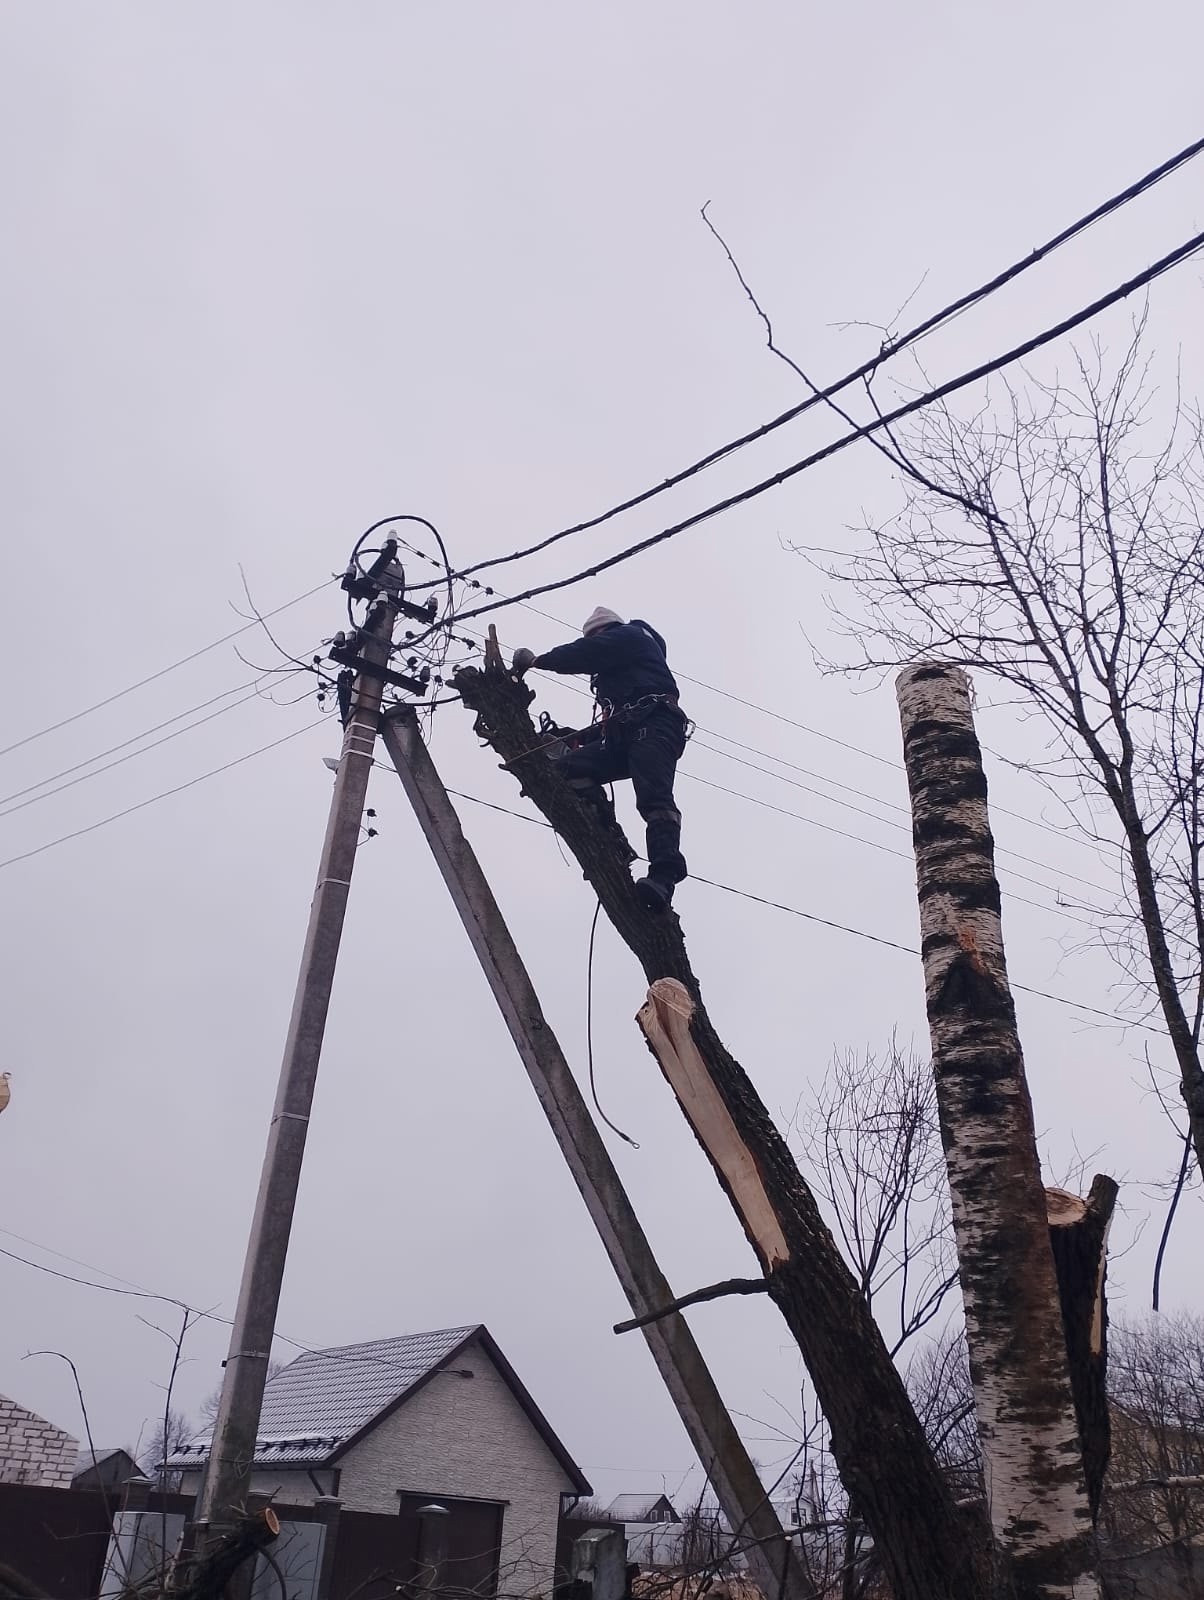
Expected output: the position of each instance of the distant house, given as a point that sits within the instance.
(33, 1450)
(107, 1468)
(642, 1508)
(400, 1424)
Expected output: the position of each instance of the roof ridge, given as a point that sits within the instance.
(392, 1338)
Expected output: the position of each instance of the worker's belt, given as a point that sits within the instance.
(637, 710)
(630, 715)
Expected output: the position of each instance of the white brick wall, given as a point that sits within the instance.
(470, 1438)
(467, 1438)
(33, 1450)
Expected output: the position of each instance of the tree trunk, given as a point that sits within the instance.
(929, 1549)
(1078, 1232)
(1018, 1355)
(1182, 1035)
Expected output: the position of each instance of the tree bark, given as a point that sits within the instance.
(1023, 1399)
(929, 1548)
(1078, 1233)
(208, 1575)
(1179, 1029)
(704, 1416)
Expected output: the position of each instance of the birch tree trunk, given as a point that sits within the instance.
(1023, 1400)
(930, 1549)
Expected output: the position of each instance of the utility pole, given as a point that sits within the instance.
(232, 1451)
(755, 1525)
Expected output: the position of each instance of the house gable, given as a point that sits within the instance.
(481, 1339)
(467, 1419)
(468, 1438)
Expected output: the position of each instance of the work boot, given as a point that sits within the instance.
(666, 864)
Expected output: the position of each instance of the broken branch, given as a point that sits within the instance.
(716, 1291)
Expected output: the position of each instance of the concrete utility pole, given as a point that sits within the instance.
(228, 1473)
(719, 1447)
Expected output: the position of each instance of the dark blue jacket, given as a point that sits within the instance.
(625, 662)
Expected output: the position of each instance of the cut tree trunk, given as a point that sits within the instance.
(712, 1432)
(929, 1548)
(1078, 1232)
(211, 1575)
(1023, 1400)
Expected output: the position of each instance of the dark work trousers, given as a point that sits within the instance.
(645, 749)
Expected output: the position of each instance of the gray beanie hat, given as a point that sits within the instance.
(599, 618)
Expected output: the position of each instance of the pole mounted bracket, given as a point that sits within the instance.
(345, 649)
(387, 576)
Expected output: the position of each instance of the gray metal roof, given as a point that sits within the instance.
(324, 1398)
(638, 1507)
(85, 1462)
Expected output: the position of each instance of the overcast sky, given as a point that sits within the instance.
(272, 271)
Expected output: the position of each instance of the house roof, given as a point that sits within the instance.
(86, 1460)
(322, 1403)
(636, 1507)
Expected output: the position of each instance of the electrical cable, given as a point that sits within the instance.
(874, 844)
(133, 739)
(696, 777)
(133, 1291)
(88, 1283)
(74, 1260)
(385, 522)
(880, 421)
(165, 794)
(887, 351)
(840, 927)
(131, 755)
(1062, 836)
(798, 816)
(888, 822)
(911, 950)
(589, 1032)
(1017, 816)
(162, 672)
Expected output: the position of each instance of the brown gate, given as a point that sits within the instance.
(375, 1555)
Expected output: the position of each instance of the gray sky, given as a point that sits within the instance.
(273, 271)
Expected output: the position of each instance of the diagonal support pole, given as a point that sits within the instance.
(755, 1525)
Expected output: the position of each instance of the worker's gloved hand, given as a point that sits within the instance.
(524, 660)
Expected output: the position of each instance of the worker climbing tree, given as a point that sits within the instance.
(639, 732)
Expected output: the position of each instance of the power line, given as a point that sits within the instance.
(130, 755)
(849, 788)
(163, 795)
(871, 755)
(999, 810)
(74, 1260)
(881, 420)
(860, 933)
(162, 672)
(133, 739)
(108, 1288)
(889, 822)
(814, 822)
(839, 927)
(887, 351)
(874, 844)
(135, 1291)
